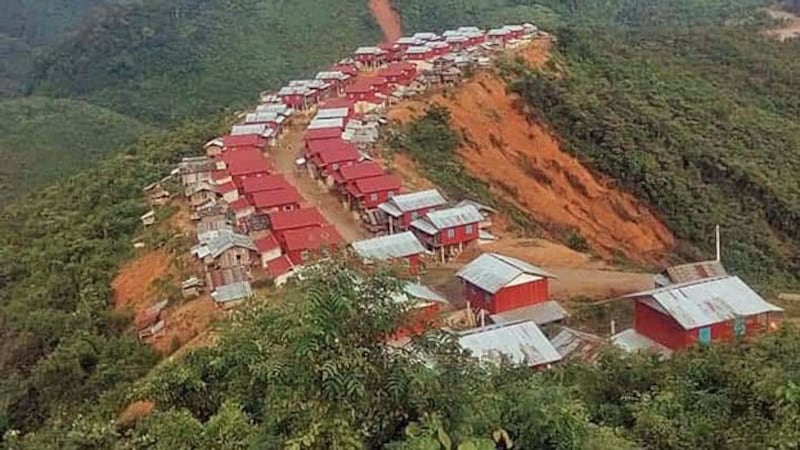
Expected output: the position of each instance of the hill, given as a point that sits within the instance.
(44, 140)
(161, 61)
(28, 28)
(699, 121)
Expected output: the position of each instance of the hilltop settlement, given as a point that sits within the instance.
(254, 222)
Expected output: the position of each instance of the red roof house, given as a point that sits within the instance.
(241, 163)
(301, 244)
(245, 140)
(399, 73)
(348, 69)
(317, 146)
(368, 193)
(348, 174)
(242, 208)
(325, 162)
(321, 134)
(264, 183)
(298, 218)
(361, 90)
(380, 85)
(220, 177)
(393, 52)
(286, 199)
(229, 192)
(499, 283)
(279, 269)
(269, 249)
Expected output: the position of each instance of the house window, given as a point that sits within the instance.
(739, 327)
(451, 233)
(373, 197)
(704, 335)
(470, 229)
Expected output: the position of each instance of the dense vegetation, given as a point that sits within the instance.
(28, 28)
(45, 140)
(423, 15)
(165, 60)
(310, 370)
(700, 121)
(61, 349)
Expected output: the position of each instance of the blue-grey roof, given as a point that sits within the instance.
(232, 292)
(523, 343)
(414, 201)
(632, 341)
(388, 247)
(262, 117)
(222, 240)
(418, 49)
(336, 122)
(540, 314)
(492, 271)
(702, 303)
(422, 292)
(278, 108)
(254, 128)
(426, 36)
(332, 113)
(448, 218)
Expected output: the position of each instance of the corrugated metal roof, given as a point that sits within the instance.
(696, 271)
(479, 206)
(336, 122)
(260, 129)
(418, 49)
(227, 240)
(540, 314)
(331, 75)
(390, 209)
(387, 247)
(706, 302)
(414, 201)
(232, 292)
(368, 51)
(425, 36)
(464, 30)
(631, 341)
(492, 271)
(425, 226)
(422, 292)
(278, 108)
(453, 217)
(574, 344)
(523, 343)
(332, 113)
(408, 40)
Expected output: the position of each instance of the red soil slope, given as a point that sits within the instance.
(387, 19)
(523, 163)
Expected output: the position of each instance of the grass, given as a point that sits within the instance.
(45, 140)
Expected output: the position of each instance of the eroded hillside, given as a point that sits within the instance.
(524, 163)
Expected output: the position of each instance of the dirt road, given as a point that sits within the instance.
(285, 154)
(387, 19)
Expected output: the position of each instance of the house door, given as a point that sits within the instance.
(704, 335)
(739, 327)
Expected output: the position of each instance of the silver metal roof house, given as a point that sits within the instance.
(222, 241)
(522, 343)
(260, 129)
(392, 246)
(425, 36)
(418, 49)
(332, 113)
(278, 108)
(422, 292)
(413, 201)
(232, 292)
(335, 122)
(332, 75)
(631, 341)
(368, 51)
(434, 221)
(200, 186)
(575, 344)
(541, 314)
(492, 271)
(264, 117)
(706, 302)
(409, 40)
(466, 30)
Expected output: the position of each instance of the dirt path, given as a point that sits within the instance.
(387, 19)
(524, 164)
(789, 29)
(285, 155)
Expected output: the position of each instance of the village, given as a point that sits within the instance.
(301, 176)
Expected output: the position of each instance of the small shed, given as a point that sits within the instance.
(573, 344)
(403, 247)
(269, 249)
(191, 287)
(231, 295)
(519, 343)
(148, 218)
(150, 322)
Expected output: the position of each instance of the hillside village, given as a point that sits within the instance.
(301, 176)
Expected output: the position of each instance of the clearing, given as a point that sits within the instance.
(524, 164)
(387, 19)
(790, 27)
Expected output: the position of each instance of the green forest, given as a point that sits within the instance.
(42, 140)
(698, 120)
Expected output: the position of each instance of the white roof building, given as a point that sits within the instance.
(521, 343)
